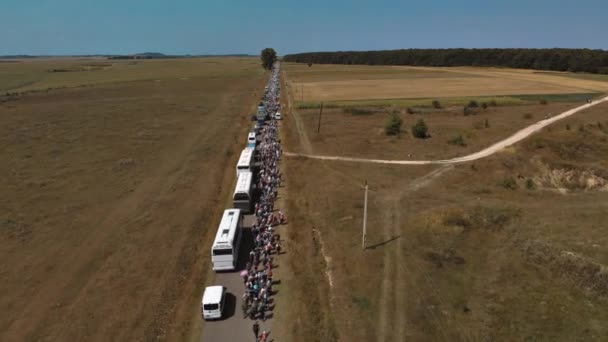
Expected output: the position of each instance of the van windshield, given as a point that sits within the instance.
(211, 307)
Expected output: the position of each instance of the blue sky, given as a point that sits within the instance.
(236, 26)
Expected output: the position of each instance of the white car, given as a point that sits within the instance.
(212, 305)
(277, 116)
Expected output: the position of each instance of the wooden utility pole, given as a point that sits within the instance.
(320, 113)
(365, 216)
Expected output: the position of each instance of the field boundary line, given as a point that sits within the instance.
(496, 147)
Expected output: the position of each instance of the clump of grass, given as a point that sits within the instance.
(530, 184)
(457, 140)
(420, 130)
(357, 111)
(508, 183)
(473, 104)
(436, 104)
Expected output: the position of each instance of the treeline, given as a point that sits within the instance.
(575, 60)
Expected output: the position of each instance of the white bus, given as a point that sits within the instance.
(245, 161)
(225, 249)
(242, 197)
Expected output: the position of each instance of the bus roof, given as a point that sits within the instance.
(227, 228)
(243, 183)
(246, 156)
(212, 294)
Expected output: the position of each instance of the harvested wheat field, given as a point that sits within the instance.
(353, 82)
(113, 173)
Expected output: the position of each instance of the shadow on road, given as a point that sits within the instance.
(229, 306)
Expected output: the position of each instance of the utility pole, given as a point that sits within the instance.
(365, 216)
(320, 113)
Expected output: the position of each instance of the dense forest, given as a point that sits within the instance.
(575, 60)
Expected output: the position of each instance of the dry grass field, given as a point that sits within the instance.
(112, 176)
(329, 83)
(507, 248)
(345, 133)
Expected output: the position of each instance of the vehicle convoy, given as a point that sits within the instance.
(213, 302)
(225, 249)
(242, 197)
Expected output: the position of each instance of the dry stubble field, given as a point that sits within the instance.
(510, 247)
(112, 176)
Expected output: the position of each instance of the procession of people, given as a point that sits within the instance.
(258, 273)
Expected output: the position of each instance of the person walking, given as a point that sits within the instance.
(256, 330)
(264, 336)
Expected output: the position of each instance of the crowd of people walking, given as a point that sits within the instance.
(258, 274)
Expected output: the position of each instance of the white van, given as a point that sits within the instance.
(251, 140)
(214, 299)
(277, 116)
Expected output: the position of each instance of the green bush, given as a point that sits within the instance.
(420, 130)
(357, 111)
(530, 184)
(457, 140)
(509, 183)
(393, 125)
(436, 104)
(410, 110)
(484, 105)
(473, 104)
(493, 103)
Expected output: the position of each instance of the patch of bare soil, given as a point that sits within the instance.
(569, 179)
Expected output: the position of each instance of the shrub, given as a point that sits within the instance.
(393, 126)
(509, 183)
(528, 116)
(420, 130)
(436, 104)
(410, 110)
(309, 64)
(457, 140)
(487, 124)
(568, 127)
(473, 104)
(357, 111)
(469, 111)
(530, 184)
(493, 103)
(542, 101)
(484, 105)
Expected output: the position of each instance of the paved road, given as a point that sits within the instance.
(234, 327)
(520, 135)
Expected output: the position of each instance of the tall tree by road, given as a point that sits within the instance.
(268, 56)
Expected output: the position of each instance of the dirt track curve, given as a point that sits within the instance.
(517, 137)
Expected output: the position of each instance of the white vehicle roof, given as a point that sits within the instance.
(212, 294)
(246, 156)
(251, 135)
(227, 228)
(243, 183)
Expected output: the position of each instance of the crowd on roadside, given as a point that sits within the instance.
(258, 276)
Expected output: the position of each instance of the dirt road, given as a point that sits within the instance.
(518, 136)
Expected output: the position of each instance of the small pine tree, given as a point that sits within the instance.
(420, 130)
(393, 125)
